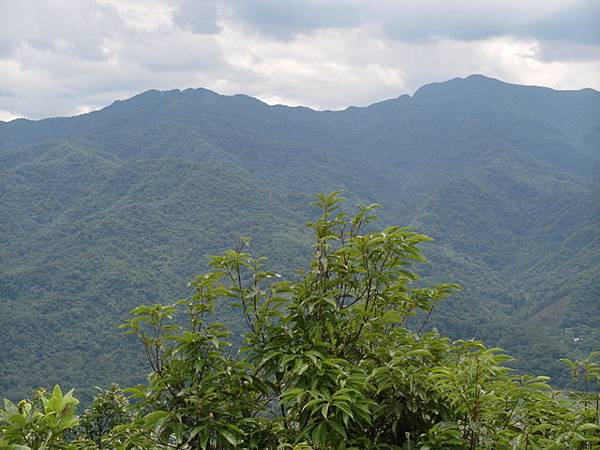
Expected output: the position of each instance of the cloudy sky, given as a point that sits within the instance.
(64, 57)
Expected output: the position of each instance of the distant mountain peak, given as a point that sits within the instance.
(478, 83)
(460, 85)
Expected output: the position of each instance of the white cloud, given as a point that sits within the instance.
(149, 15)
(7, 116)
(335, 68)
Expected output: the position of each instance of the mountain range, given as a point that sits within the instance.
(103, 211)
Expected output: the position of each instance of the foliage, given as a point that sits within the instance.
(38, 424)
(327, 363)
(97, 426)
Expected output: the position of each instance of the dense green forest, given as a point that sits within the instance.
(328, 362)
(108, 210)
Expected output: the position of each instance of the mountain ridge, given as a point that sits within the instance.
(418, 91)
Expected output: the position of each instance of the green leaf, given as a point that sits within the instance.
(230, 437)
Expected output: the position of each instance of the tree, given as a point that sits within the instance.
(96, 426)
(329, 361)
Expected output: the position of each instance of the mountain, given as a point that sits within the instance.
(104, 211)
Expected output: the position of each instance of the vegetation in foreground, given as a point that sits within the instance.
(328, 363)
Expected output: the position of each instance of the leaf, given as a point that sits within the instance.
(339, 429)
(588, 427)
(152, 419)
(325, 410)
(230, 437)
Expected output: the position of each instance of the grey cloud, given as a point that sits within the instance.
(76, 28)
(198, 16)
(409, 20)
(578, 23)
(177, 51)
(286, 18)
(413, 28)
(553, 51)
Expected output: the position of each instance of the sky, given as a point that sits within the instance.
(67, 57)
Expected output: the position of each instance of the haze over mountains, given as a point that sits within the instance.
(107, 210)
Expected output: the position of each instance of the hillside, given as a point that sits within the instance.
(103, 211)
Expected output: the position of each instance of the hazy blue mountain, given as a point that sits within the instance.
(106, 210)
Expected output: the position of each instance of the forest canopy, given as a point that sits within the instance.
(338, 357)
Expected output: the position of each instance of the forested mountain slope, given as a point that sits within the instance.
(106, 210)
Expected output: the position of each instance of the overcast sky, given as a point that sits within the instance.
(64, 57)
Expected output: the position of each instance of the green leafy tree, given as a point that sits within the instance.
(329, 360)
(97, 425)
